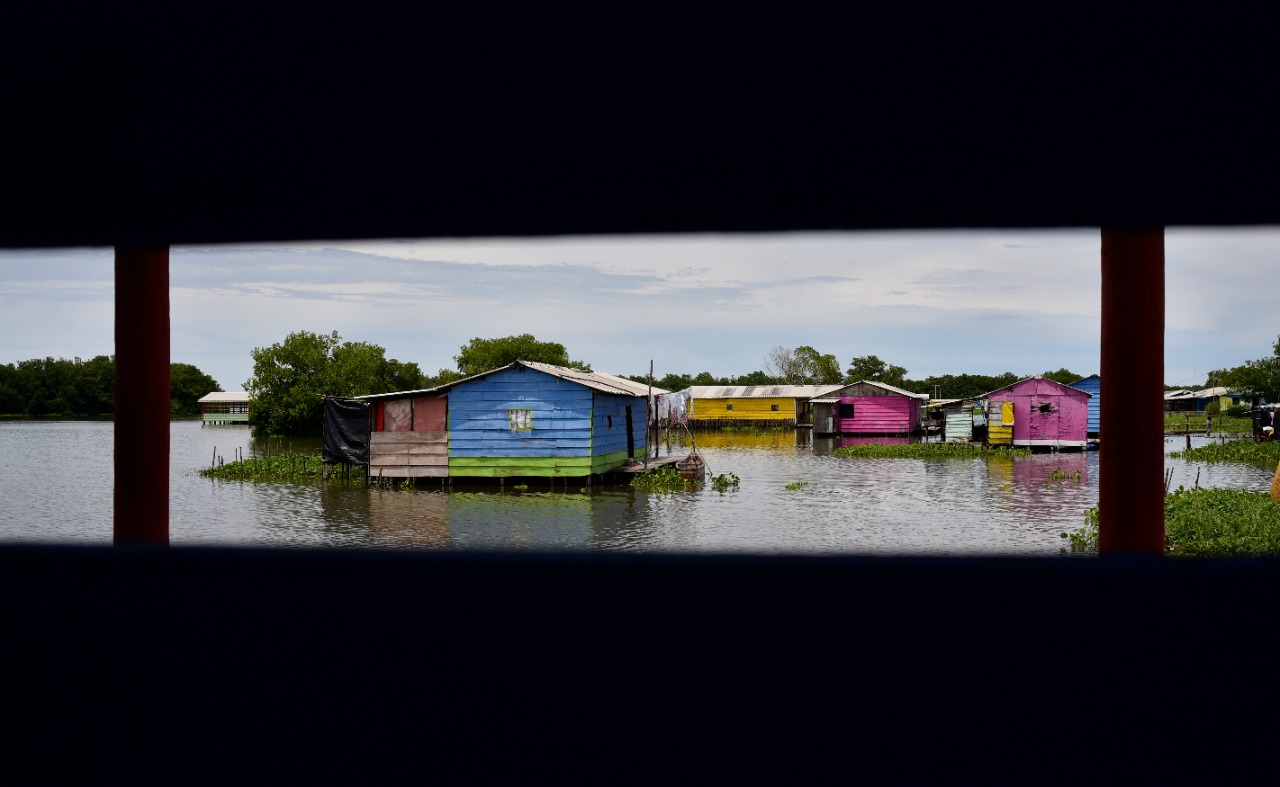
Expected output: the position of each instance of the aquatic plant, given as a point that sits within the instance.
(797, 485)
(1206, 523)
(926, 451)
(725, 482)
(1221, 523)
(1266, 453)
(661, 479)
(280, 467)
(1058, 475)
(1086, 538)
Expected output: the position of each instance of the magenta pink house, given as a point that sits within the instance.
(1044, 413)
(868, 408)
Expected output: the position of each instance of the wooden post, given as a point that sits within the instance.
(1130, 493)
(141, 460)
(650, 420)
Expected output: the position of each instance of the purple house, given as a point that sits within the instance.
(868, 408)
(1038, 413)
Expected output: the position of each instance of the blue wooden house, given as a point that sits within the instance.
(524, 419)
(1092, 385)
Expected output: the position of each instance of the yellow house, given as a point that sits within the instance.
(776, 405)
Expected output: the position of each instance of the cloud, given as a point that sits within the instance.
(936, 302)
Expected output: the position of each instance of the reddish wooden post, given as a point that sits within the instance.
(1131, 465)
(142, 396)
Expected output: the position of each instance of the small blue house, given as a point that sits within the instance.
(1092, 385)
(524, 419)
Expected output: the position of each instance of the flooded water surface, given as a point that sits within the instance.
(56, 478)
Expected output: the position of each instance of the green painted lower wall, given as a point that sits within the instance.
(606, 462)
(235, 418)
(533, 466)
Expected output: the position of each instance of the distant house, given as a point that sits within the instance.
(224, 407)
(524, 419)
(1038, 413)
(868, 407)
(1199, 400)
(778, 405)
(1092, 385)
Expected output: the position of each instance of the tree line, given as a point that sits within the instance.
(75, 387)
(1258, 379)
(292, 377)
(806, 366)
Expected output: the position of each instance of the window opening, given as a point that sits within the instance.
(521, 420)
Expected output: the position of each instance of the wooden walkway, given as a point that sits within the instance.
(630, 470)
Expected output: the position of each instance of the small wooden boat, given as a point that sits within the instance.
(692, 467)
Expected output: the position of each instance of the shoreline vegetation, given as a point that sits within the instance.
(1247, 451)
(1204, 523)
(1198, 422)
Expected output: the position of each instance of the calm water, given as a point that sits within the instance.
(56, 478)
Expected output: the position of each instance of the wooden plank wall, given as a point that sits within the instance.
(409, 454)
(880, 415)
(609, 430)
(744, 409)
(482, 442)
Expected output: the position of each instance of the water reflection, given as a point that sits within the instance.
(794, 497)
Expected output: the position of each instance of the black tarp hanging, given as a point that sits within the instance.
(346, 431)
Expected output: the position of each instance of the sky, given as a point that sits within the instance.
(937, 302)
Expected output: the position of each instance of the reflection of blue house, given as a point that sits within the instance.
(1092, 385)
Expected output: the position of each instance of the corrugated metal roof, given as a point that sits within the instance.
(225, 396)
(760, 391)
(1034, 377)
(836, 391)
(1203, 393)
(599, 381)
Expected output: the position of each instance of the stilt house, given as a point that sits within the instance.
(1092, 385)
(774, 405)
(1038, 413)
(523, 419)
(868, 407)
(224, 407)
